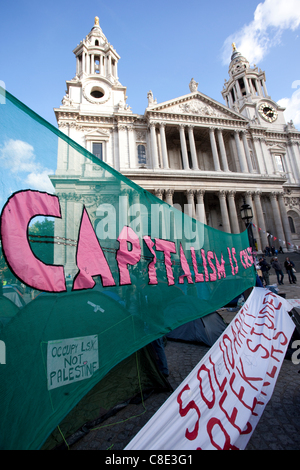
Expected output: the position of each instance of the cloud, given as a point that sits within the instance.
(271, 18)
(18, 158)
(40, 181)
(292, 105)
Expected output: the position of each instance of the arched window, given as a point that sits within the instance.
(96, 42)
(292, 225)
(141, 154)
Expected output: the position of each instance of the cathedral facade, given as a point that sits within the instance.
(192, 151)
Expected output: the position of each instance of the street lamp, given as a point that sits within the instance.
(247, 216)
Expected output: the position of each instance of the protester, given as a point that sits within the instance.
(278, 270)
(289, 265)
(265, 268)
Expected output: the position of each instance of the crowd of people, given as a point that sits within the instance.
(264, 267)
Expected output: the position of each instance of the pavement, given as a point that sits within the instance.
(278, 428)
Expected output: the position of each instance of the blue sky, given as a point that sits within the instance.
(162, 44)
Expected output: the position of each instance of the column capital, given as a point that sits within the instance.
(152, 124)
(181, 126)
(274, 194)
(200, 192)
(231, 193)
(249, 193)
(162, 124)
(190, 192)
(169, 192)
(257, 194)
(222, 193)
(212, 129)
(190, 126)
(159, 192)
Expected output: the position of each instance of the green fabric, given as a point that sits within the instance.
(137, 373)
(33, 402)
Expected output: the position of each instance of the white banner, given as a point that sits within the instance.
(221, 401)
(71, 360)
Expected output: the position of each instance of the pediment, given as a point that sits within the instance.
(276, 148)
(97, 134)
(197, 104)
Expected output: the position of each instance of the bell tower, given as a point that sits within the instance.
(246, 93)
(96, 80)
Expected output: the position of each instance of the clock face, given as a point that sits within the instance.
(267, 112)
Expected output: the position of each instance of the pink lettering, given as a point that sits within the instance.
(185, 267)
(126, 256)
(16, 215)
(167, 247)
(151, 265)
(90, 258)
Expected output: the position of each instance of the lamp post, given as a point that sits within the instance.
(247, 216)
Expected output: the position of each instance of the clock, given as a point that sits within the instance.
(267, 112)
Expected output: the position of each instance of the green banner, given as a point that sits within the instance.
(91, 265)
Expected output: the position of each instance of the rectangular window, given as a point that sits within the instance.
(279, 164)
(97, 150)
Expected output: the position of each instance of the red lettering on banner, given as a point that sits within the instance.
(232, 418)
(248, 379)
(222, 385)
(267, 355)
(227, 444)
(209, 403)
(230, 359)
(191, 435)
(240, 395)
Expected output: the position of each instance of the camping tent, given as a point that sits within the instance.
(133, 380)
(202, 330)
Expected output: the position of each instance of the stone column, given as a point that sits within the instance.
(191, 203)
(224, 211)
(193, 147)
(247, 152)
(164, 145)
(159, 193)
(260, 220)
(185, 160)
(222, 150)
(153, 146)
(214, 149)
(259, 156)
(249, 201)
(92, 63)
(83, 61)
(277, 217)
(242, 160)
(169, 196)
(232, 212)
(200, 208)
(285, 221)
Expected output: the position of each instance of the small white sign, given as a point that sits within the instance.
(71, 360)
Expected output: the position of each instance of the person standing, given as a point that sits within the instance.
(265, 268)
(278, 270)
(289, 265)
